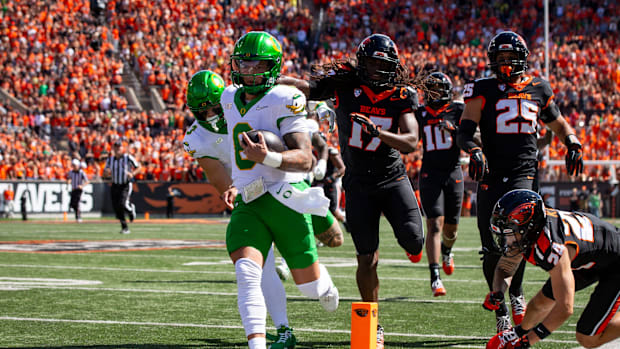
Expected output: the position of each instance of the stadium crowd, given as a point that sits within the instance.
(65, 65)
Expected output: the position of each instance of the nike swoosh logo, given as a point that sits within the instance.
(536, 83)
(262, 107)
(395, 99)
(458, 180)
(448, 110)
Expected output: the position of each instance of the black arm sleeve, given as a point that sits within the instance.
(465, 135)
(551, 113)
(321, 89)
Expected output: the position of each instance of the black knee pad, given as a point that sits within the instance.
(412, 245)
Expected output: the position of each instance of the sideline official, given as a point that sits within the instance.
(121, 168)
(78, 180)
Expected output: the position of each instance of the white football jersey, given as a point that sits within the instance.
(313, 126)
(281, 110)
(202, 143)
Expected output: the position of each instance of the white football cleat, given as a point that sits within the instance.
(283, 272)
(330, 299)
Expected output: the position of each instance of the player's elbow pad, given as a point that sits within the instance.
(465, 135)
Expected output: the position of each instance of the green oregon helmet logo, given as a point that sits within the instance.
(275, 44)
(217, 81)
(204, 89)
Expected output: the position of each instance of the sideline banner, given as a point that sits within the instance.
(51, 197)
(557, 194)
(54, 197)
(203, 198)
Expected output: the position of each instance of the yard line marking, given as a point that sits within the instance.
(234, 294)
(21, 284)
(207, 263)
(346, 276)
(314, 330)
(114, 269)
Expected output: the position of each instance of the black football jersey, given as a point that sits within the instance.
(366, 156)
(597, 242)
(440, 149)
(509, 119)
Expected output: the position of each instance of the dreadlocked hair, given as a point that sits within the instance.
(423, 72)
(343, 70)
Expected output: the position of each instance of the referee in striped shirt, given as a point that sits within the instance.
(121, 168)
(78, 180)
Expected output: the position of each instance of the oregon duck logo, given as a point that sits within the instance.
(297, 106)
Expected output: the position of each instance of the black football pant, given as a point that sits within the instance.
(76, 195)
(489, 192)
(396, 200)
(441, 193)
(120, 201)
(331, 192)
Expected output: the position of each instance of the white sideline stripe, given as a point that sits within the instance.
(72, 267)
(41, 281)
(231, 294)
(314, 330)
(114, 269)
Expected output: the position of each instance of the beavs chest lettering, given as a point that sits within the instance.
(372, 110)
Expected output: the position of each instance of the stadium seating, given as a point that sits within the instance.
(66, 65)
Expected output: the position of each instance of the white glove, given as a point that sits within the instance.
(323, 111)
(320, 169)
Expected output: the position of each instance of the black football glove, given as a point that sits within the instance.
(574, 157)
(447, 125)
(478, 166)
(367, 125)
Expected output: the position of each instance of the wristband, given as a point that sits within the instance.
(273, 159)
(541, 331)
(571, 140)
(322, 164)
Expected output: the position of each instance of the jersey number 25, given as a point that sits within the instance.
(512, 109)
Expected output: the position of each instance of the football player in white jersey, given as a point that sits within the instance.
(272, 203)
(206, 140)
(327, 229)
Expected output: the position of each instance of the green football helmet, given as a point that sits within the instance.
(252, 47)
(203, 95)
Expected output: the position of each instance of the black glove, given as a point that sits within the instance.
(574, 157)
(447, 125)
(478, 166)
(367, 125)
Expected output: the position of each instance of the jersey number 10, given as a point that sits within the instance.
(442, 139)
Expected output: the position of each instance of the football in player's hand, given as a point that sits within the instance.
(274, 143)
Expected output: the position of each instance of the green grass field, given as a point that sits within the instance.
(186, 298)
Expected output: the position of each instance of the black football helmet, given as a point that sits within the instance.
(519, 212)
(377, 61)
(508, 42)
(437, 89)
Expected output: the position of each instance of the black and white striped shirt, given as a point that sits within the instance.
(77, 178)
(120, 167)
